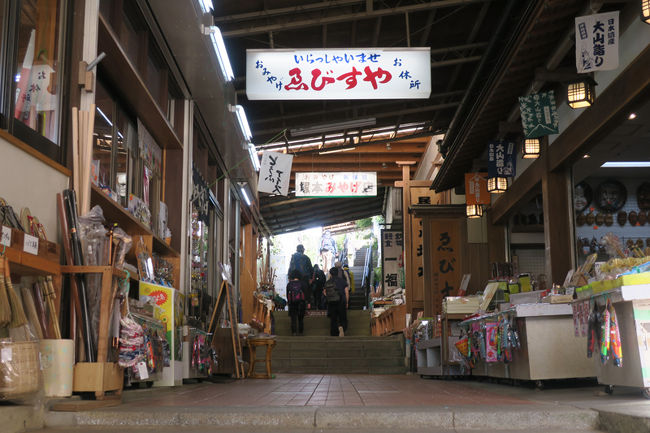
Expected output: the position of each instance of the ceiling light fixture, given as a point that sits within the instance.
(319, 129)
(343, 149)
(581, 93)
(632, 116)
(240, 113)
(474, 211)
(242, 188)
(497, 185)
(531, 148)
(206, 5)
(220, 48)
(626, 164)
(252, 152)
(645, 11)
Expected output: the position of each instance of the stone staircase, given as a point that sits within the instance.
(339, 355)
(318, 324)
(318, 353)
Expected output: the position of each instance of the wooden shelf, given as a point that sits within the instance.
(132, 88)
(22, 263)
(113, 212)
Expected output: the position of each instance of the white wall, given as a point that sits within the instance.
(27, 182)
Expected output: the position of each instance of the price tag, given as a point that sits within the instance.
(6, 236)
(142, 370)
(6, 354)
(30, 245)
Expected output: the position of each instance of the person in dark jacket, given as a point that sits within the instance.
(300, 262)
(337, 311)
(317, 288)
(296, 297)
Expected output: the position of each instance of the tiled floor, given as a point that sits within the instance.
(324, 390)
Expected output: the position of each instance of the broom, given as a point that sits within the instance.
(5, 309)
(18, 317)
(30, 309)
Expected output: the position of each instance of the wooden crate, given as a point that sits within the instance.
(98, 377)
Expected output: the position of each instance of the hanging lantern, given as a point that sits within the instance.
(531, 148)
(497, 185)
(474, 211)
(645, 11)
(581, 93)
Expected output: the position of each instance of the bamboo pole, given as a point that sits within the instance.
(75, 147)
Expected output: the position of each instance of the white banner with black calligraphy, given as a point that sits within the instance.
(275, 173)
(597, 42)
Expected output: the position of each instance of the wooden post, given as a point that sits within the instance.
(558, 230)
(408, 242)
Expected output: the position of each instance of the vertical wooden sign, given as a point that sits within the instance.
(446, 260)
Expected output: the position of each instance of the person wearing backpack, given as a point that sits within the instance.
(337, 293)
(296, 297)
(318, 284)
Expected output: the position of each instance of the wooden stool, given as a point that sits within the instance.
(252, 347)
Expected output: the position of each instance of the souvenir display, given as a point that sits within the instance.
(591, 218)
(582, 196)
(643, 196)
(610, 195)
(600, 219)
(633, 218)
(643, 218)
(621, 218)
(581, 219)
(609, 219)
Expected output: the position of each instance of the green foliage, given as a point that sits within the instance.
(364, 223)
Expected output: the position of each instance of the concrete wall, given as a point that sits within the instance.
(27, 182)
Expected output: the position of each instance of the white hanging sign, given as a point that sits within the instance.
(597, 42)
(275, 173)
(336, 184)
(6, 236)
(338, 73)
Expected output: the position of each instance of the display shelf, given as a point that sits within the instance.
(426, 344)
(113, 212)
(99, 377)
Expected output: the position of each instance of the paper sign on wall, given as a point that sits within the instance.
(338, 73)
(597, 42)
(275, 173)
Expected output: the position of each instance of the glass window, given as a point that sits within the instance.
(37, 93)
(103, 137)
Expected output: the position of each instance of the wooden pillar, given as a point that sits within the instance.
(247, 281)
(558, 229)
(406, 219)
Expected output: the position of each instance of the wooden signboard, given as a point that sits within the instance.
(446, 260)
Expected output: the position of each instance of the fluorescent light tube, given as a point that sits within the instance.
(345, 149)
(625, 164)
(243, 122)
(222, 54)
(318, 129)
(245, 195)
(206, 5)
(252, 152)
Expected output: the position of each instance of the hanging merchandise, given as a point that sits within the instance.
(605, 336)
(593, 336)
(614, 335)
(491, 340)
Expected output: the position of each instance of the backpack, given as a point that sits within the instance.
(331, 292)
(294, 291)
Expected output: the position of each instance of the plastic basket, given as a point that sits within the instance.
(19, 369)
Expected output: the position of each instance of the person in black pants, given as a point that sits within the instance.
(296, 297)
(317, 288)
(337, 311)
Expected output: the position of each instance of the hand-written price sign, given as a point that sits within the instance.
(338, 73)
(30, 244)
(6, 236)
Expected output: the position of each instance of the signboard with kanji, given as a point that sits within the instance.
(502, 158)
(539, 115)
(597, 42)
(338, 73)
(476, 191)
(419, 196)
(446, 260)
(336, 184)
(392, 261)
(275, 173)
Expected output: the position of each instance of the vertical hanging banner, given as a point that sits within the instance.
(539, 114)
(200, 195)
(597, 42)
(275, 171)
(392, 267)
(501, 158)
(476, 191)
(338, 73)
